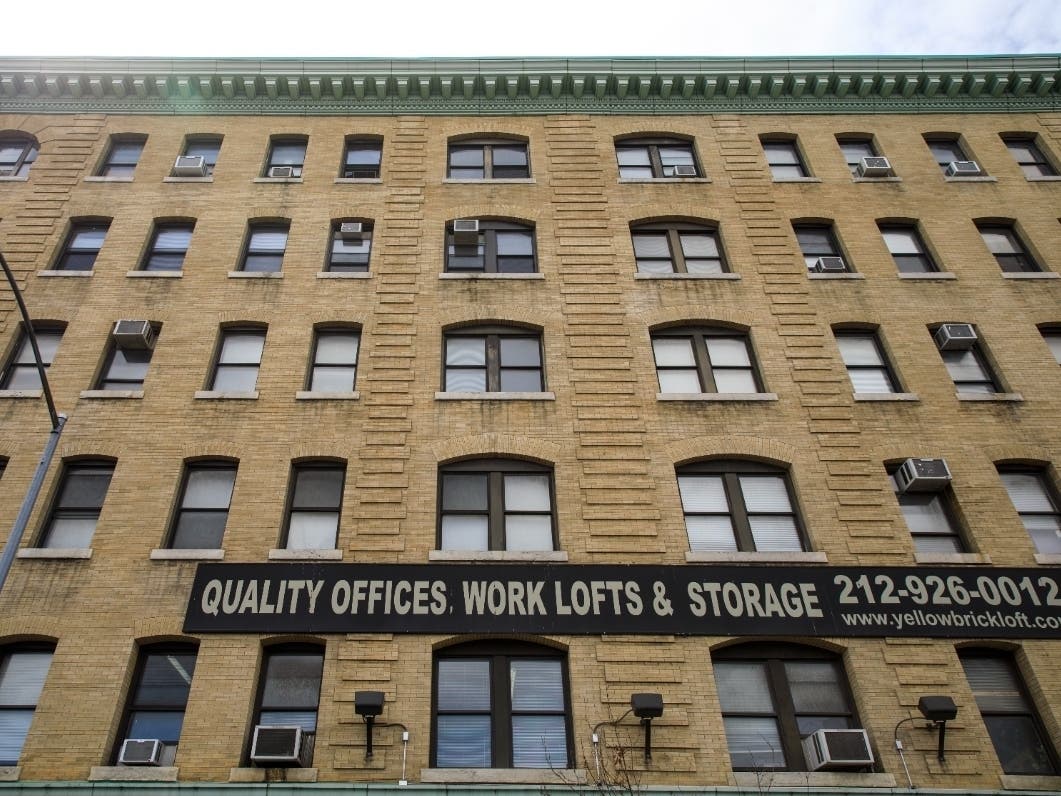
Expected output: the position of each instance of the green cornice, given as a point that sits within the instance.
(325, 86)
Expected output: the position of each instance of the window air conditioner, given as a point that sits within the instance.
(134, 334)
(466, 231)
(829, 749)
(829, 265)
(275, 746)
(685, 171)
(963, 168)
(955, 337)
(922, 475)
(140, 752)
(285, 171)
(874, 167)
(189, 166)
(351, 230)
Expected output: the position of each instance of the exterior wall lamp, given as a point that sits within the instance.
(647, 707)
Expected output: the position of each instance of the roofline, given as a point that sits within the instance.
(507, 86)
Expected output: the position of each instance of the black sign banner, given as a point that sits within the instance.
(595, 599)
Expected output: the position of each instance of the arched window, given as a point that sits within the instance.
(202, 510)
(23, 669)
(17, 154)
(495, 247)
(78, 502)
(21, 372)
(1035, 497)
(678, 248)
(493, 359)
(487, 159)
(704, 359)
(154, 708)
(656, 157)
(314, 504)
(289, 688)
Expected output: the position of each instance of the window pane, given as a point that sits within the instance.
(463, 685)
(363, 154)
(765, 493)
(735, 381)
(816, 240)
(173, 238)
(128, 364)
(527, 493)
(465, 532)
(1019, 746)
(466, 380)
(71, 532)
(727, 351)
(1045, 531)
(1000, 241)
(775, 534)
(465, 350)
(292, 680)
(85, 489)
(268, 240)
(709, 534)
(22, 677)
(703, 266)
(163, 725)
(528, 532)
(14, 724)
(520, 351)
(332, 379)
(512, 155)
(463, 742)
(754, 743)
(651, 245)
(924, 513)
(312, 530)
(87, 238)
(306, 719)
(679, 381)
(742, 687)
(539, 742)
(166, 679)
(702, 493)
(781, 153)
(901, 241)
(466, 157)
(673, 351)
(537, 685)
(964, 366)
(938, 544)
(245, 347)
(235, 379)
(464, 492)
(859, 349)
(526, 380)
(517, 244)
(291, 154)
(337, 348)
(318, 487)
(1027, 492)
(946, 152)
(870, 380)
(200, 530)
(633, 156)
(671, 156)
(815, 687)
(699, 245)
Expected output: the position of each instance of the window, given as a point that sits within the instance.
(286, 157)
(784, 159)
(156, 703)
(361, 158)
(1003, 242)
(264, 252)
(238, 359)
(1018, 735)
(907, 249)
(350, 250)
(122, 157)
(17, 154)
(704, 360)
(82, 246)
(867, 367)
(76, 510)
(23, 670)
(1052, 336)
(501, 705)
(1029, 156)
(930, 518)
(969, 369)
(677, 249)
(126, 366)
(334, 366)
(946, 150)
(21, 371)
(314, 505)
(3, 466)
(496, 504)
(290, 687)
(169, 245)
(737, 505)
(854, 150)
(774, 695)
(817, 241)
(655, 158)
(201, 515)
(501, 248)
(205, 147)
(1037, 502)
(487, 160)
(493, 359)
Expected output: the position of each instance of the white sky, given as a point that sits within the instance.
(482, 28)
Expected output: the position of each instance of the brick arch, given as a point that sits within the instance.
(517, 213)
(155, 629)
(663, 212)
(261, 315)
(27, 627)
(78, 448)
(676, 128)
(841, 317)
(328, 318)
(541, 641)
(306, 451)
(733, 446)
(795, 641)
(695, 315)
(490, 313)
(494, 444)
(1016, 452)
(216, 450)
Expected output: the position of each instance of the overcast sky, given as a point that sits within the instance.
(483, 28)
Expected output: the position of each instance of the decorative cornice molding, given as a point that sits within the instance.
(1000, 84)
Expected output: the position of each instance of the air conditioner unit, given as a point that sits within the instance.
(140, 752)
(922, 475)
(466, 231)
(351, 230)
(829, 749)
(685, 171)
(875, 167)
(189, 166)
(134, 334)
(955, 337)
(275, 746)
(829, 265)
(963, 168)
(285, 171)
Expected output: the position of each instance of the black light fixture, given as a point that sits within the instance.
(939, 710)
(647, 707)
(368, 705)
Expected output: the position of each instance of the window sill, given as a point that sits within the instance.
(311, 395)
(1048, 559)
(511, 181)
(1044, 178)
(154, 274)
(929, 275)
(10, 773)
(495, 396)
(503, 776)
(810, 779)
(1026, 782)
(951, 558)
(490, 276)
(75, 274)
(343, 275)
(1002, 397)
(969, 179)
(847, 275)
(21, 393)
(283, 554)
(281, 180)
(876, 179)
(497, 555)
(133, 773)
(887, 396)
(221, 395)
(255, 274)
(1031, 275)
(186, 554)
(358, 181)
(658, 180)
(188, 179)
(651, 277)
(797, 179)
(727, 557)
(108, 179)
(710, 397)
(263, 775)
(114, 394)
(24, 178)
(56, 552)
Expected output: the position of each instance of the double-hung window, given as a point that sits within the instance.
(361, 158)
(289, 687)
(1008, 249)
(677, 249)
(201, 515)
(239, 357)
(21, 371)
(818, 242)
(500, 247)
(206, 147)
(736, 505)
(23, 670)
(493, 359)
(169, 246)
(335, 352)
(471, 159)
(969, 368)
(126, 365)
(930, 518)
(82, 246)
(1029, 156)
(496, 504)
(122, 156)
(315, 504)
(946, 150)
(784, 159)
(77, 506)
(1037, 502)
(1052, 336)
(351, 246)
(855, 149)
(656, 158)
(17, 155)
(286, 157)
(866, 364)
(704, 360)
(907, 249)
(156, 703)
(264, 251)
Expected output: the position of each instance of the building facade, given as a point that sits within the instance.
(514, 389)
